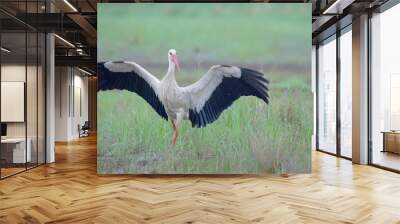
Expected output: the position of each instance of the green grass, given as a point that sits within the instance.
(249, 137)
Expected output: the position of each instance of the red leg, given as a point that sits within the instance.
(175, 135)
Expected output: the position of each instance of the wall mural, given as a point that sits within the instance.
(204, 88)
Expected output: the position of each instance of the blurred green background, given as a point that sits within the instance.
(246, 33)
(249, 137)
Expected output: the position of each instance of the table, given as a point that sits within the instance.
(17, 148)
(391, 141)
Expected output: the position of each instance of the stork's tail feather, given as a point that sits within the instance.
(257, 82)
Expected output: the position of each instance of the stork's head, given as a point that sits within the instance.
(173, 58)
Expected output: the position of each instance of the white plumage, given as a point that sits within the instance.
(201, 102)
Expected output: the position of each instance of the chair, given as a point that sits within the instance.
(84, 130)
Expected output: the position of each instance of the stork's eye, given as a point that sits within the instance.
(170, 53)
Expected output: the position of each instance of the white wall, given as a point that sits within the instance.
(13, 101)
(80, 100)
(11, 73)
(62, 82)
(33, 126)
(71, 93)
(17, 73)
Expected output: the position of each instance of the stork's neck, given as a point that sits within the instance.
(171, 70)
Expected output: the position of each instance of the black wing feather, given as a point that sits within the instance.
(130, 81)
(251, 83)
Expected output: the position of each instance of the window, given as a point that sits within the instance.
(346, 93)
(385, 89)
(22, 77)
(327, 96)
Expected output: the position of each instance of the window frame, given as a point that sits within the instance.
(333, 37)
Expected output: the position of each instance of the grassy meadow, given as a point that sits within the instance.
(249, 137)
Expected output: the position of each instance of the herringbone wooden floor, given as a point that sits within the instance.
(70, 191)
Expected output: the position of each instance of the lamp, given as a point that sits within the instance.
(64, 40)
(5, 50)
(70, 5)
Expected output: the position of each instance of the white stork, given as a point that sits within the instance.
(201, 102)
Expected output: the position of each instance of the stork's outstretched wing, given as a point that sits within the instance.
(132, 77)
(219, 88)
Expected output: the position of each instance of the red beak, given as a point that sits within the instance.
(174, 59)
